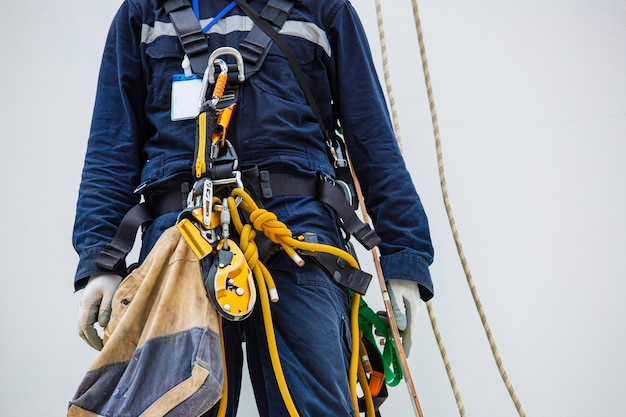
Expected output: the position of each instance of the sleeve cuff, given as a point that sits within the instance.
(411, 267)
(87, 267)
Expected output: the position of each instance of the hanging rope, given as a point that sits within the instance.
(390, 96)
(444, 357)
(394, 114)
(455, 233)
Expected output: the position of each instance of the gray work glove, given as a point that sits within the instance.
(406, 304)
(95, 306)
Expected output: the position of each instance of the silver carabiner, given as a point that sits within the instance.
(209, 74)
(226, 50)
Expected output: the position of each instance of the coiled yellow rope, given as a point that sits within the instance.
(279, 233)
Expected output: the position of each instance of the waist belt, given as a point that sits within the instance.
(267, 185)
(262, 185)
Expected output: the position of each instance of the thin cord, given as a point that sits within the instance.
(396, 124)
(455, 233)
(392, 100)
(444, 357)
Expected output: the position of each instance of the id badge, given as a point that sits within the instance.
(185, 96)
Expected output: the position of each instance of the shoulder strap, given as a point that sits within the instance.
(255, 46)
(189, 33)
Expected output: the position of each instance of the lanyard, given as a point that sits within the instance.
(225, 10)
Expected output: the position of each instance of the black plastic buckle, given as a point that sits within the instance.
(265, 183)
(366, 236)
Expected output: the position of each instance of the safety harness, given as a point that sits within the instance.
(226, 193)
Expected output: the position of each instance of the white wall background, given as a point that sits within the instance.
(532, 105)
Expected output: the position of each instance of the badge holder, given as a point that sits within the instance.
(186, 89)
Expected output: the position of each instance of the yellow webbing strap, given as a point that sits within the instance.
(222, 125)
(202, 142)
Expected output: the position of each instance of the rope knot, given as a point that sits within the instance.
(269, 224)
(248, 245)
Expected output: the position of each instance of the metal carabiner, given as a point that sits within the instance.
(209, 73)
(225, 50)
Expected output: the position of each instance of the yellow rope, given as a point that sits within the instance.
(261, 274)
(354, 357)
(279, 233)
(367, 395)
(221, 411)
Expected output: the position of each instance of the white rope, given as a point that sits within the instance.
(455, 233)
(387, 77)
(396, 126)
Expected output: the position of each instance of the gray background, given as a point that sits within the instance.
(532, 104)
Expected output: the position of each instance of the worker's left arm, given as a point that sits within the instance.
(390, 195)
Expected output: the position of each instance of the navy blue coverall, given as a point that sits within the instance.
(135, 148)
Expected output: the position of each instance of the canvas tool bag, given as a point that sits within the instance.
(162, 353)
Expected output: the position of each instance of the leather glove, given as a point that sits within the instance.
(95, 306)
(406, 304)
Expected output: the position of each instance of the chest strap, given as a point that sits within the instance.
(189, 33)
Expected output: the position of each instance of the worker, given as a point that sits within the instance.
(137, 151)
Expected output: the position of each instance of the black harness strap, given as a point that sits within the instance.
(253, 48)
(256, 45)
(270, 31)
(115, 252)
(337, 268)
(189, 33)
(334, 197)
(342, 273)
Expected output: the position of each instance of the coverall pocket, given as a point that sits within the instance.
(152, 170)
(164, 56)
(276, 77)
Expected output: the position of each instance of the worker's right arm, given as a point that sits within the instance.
(113, 160)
